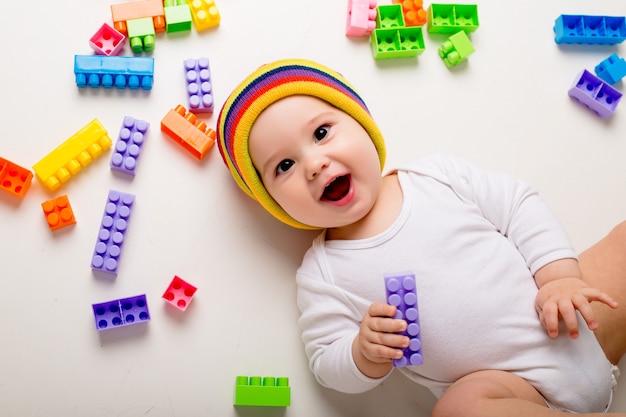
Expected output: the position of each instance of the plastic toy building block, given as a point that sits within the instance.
(414, 13)
(584, 29)
(192, 134)
(204, 14)
(401, 292)
(123, 12)
(361, 19)
(177, 16)
(71, 156)
(450, 18)
(612, 69)
(179, 293)
(114, 71)
(129, 144)
(122, 312)
(107, 41)
(199, 85)
(389, 16)
(140, 34)
(403, 42)
(266, 391)
(456, 49)
(112, 233)
(58, 212)
(14, 179)
(595, 94)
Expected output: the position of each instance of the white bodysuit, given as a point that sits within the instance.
(474, 239)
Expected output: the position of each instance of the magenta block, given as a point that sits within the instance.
(199, 85)
(107, 41)
(122, 312)
(129, 144)
(401, 292)
(112, 233)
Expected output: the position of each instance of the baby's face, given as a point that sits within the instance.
(316, 161)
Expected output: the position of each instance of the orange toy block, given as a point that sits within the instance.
(413, 11)
(194, 135)
(14, 179)
(58, 212)
(136, 10)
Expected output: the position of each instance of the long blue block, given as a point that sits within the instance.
(595, 30)
(114, 71)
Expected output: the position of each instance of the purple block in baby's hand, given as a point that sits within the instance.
(401, 292)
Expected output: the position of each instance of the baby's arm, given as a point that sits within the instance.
(377, 343)
(562, 291)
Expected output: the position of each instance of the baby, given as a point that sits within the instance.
(514, 322)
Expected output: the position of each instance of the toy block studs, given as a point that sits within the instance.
(593, 30)
(141, 34)
(204, 14)
(450, 18)
(129, 145)
(266, 391)
(192, 134)
(107, 41)
(361, 19)
(122, 312)
(179, 293)
(401, 292)
(112, 232)
(199, 85)
(595, 94)
(414, 13)
(58, 212)
(177, 16)
(14, 179)
(612, 69)
(114, 71)
(456, 49)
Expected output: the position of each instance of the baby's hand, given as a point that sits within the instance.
(561, 298)
(377, 341)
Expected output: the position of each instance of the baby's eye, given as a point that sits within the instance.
(321, 132)
(284, 166)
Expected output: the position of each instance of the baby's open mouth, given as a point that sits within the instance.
(337, 189)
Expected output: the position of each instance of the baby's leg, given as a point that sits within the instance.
(604, 266)
(496, 394)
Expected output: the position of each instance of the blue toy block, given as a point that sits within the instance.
(129, 144)
(401, 292)
(595, 94)
(114, 71)
(199, 85)
(612, 69)
(122, 312)
(595, 30)
(112, 232)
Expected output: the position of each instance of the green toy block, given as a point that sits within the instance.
(266, 391)
(456, 49)
(450, 18)
(177, 16)
(389, 16)
(405, 42)
(141, 34)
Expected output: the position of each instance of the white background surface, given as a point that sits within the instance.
(507, 108)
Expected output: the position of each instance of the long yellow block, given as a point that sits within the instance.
(71, 156)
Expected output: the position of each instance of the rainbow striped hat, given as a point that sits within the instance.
(267, 85)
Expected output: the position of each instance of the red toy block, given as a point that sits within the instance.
(107, 41)
(192, 134)
(58, 212)
(179, 293)
(137, 10)
(14, 179)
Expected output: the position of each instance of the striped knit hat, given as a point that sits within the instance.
(267, 85)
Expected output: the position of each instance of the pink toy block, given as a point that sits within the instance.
(179, 293)
(107, 41)
(361, 17)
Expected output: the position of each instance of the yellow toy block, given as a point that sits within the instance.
(204, 14)
(71, 156)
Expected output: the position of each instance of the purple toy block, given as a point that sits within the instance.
(199, 85)
(401, 292)
(595, 94)
(123, 312)
(612, 69)
(107, 41)
(112, 232)
(129, 144)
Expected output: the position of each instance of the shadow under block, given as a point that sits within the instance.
(122, 312)
(69, 158)
(14, 179)
(112, 232)
(401, 292)
(266, 391)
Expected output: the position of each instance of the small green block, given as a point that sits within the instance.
(266, 391)
(405, 42)
(389, 16)
(450, 18)
(456, 49)
(177, 18)
(141, 34)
